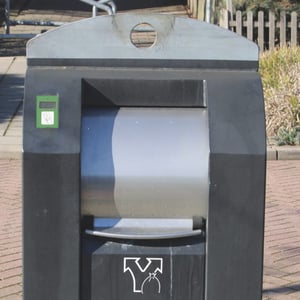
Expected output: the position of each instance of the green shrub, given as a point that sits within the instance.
(286, 136)
(280, 72)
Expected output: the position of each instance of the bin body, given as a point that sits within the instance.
(143, 169)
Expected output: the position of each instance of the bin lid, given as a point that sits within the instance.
(106, 41)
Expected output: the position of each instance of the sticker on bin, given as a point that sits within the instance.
(47, 118)
(47, 111)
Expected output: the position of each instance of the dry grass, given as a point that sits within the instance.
(280, 71)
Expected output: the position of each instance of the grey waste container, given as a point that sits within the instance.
(143, 167)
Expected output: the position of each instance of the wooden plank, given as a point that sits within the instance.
(194, 8)
(250, 25)
(294, 25)
(272, 27)
(239, 22)
(175, 10)
(201, 10)
(229, 7)
(261, 36)
(282, 28)
(191, 7)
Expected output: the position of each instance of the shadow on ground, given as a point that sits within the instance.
(12, 47)
(282, 289)
(11, 98)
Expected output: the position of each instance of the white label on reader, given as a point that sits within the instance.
(47, 118)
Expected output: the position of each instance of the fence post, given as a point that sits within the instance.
(277, 29)
(250, 25)
(229, 7)
(294, 25)
(261, 34)
(282, 28)
(194, 8)
(272, 29)
(239, 22)
(201, 10)
(224, 18)
(7, 17)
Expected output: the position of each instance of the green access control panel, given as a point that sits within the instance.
(47, 111)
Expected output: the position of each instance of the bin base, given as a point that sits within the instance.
(152, 270)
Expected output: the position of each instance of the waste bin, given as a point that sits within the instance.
(144, 162)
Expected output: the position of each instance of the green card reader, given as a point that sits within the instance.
(47, 111)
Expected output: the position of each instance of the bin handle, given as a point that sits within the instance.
(150, 236)
(144, 228)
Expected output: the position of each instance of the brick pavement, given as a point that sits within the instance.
(282, 231)
(282, 235)
(10, 230)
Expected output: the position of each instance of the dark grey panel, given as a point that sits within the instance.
(147, 63)
(235, 105)
(237, 192)
(236, 113)
(144, 93)
(67, 86)
(235, 227)
(51, 226)
(237, 142)
(177, 270)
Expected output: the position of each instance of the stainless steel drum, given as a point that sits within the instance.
(145, 162)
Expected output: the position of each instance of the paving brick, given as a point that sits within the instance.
(13, 297)
(8, 251)
(9, 257)
(16, 280)
(8, 291)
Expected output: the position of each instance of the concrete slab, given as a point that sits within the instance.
(11, 140)
(271, 153)
(12, 132)
(5, 63)
(10, 153)
(11, 97)
(288, 153)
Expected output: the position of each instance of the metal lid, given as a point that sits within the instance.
(177, 39)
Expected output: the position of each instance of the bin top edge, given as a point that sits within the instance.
(108, 38)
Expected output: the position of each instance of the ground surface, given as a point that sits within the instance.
(282, 236)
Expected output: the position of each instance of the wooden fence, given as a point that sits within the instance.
(267, 30)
